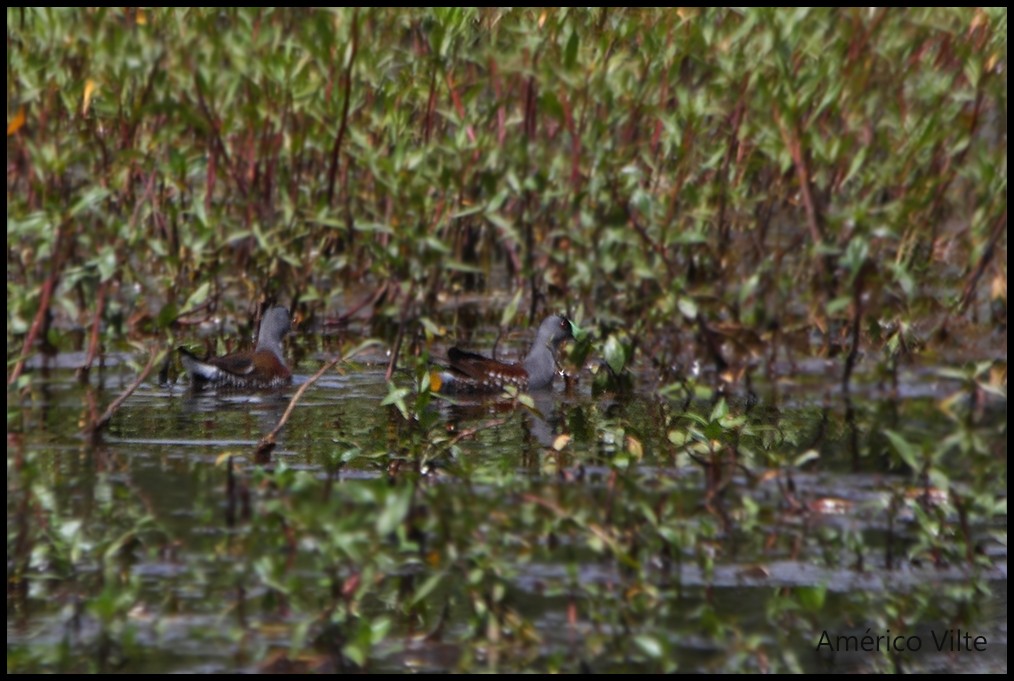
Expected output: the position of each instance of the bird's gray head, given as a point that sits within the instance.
(554, 330)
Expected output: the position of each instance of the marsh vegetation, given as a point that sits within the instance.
(781, 232)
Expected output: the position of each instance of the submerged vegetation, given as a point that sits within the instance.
(782, 231)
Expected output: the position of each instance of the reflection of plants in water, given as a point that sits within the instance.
(84, 556)
(626, 552)
(321, 558)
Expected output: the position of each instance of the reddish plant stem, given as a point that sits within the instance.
(216, 138)
(332, 172)
(431, 105)
(40, 314)
(393, 364)
(93, 339)
(459, 107)
(96, 427)
(999, 229)
(857, 318)
(267, 443)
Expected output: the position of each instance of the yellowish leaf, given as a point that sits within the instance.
(998, 287)
(634, 447)
(15, 123)
(86, 99)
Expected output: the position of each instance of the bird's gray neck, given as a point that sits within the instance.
(272, 345)
(540, 364)
(270, 338)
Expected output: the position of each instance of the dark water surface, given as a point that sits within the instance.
(604, 533)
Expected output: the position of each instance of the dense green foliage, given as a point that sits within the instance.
(760, 168)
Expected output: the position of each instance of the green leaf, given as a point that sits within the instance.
(395, 509)
(379, 629)
(396, 396)
(431, 327)
(465, 212)
(720, 411)
(88, 200)
(806, 457)
(570, 52)
(552, 106)
(649, 645)
(688, 307)
(512, 309)
(197, 297)
(426, 588)
(615, 356)
(167, 315)
(812, 597)
(907, 451)
(356, 652)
